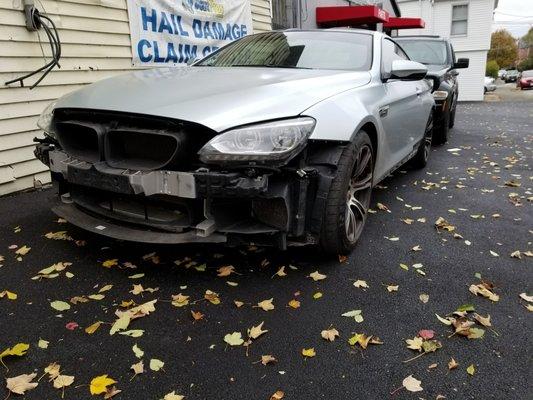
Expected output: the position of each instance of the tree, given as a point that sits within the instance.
(526, 45)
(492, 69)
(503, 48)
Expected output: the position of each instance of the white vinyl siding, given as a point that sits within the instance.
(95, 45)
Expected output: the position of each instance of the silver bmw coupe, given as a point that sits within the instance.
(275, 139)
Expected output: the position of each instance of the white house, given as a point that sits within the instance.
(467, 23)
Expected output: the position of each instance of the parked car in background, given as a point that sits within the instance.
(511, 75)
(274, 139)
(525, 80)
(438, 55)
(501, 73)
(490, 86)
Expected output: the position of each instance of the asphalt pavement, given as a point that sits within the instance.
(480, 182)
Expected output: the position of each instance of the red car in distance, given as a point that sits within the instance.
(525, 80)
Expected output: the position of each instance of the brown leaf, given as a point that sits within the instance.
(452, 364)
(267, 359)
(485, 321)
(197, 315)
(112, 391)
(278, 395)
(226, 270)
(330, 334)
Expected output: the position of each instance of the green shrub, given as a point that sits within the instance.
(492, 69)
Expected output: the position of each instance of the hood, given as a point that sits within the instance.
(216, 97)
(436, 71)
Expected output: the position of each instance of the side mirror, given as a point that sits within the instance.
(408, 70)
(461, 63)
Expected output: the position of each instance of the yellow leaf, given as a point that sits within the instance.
(238, 303)
(105, 288)
(60, 305)
(212, 297)
(173, 396)
(234, 339)
(138, 368)
(360, 284)
(317, 276)
(267, 359)
(8, 294)
(266, 305)
(93, 328)
(281, 272)
(138, 352)
(471, 369)
(63, 381)
(43, 344)
(415, 343)
(309, 352)
(294, 303)
(18, 350)
(52, 370)
(317, 295)
(110, 263)
(255, 331)
(180, 300)
(392, 288)
(22, 251)
(100, 383)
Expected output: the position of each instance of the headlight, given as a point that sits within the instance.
(271, 141)
(440, 94)
(45, 119)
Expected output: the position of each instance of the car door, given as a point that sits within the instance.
(401, 110)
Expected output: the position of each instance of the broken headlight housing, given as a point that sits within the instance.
(45, 121)
(271, 141)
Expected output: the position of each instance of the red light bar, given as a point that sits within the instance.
(350, 16)
(404, 23)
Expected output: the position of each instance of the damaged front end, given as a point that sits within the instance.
(153, 180)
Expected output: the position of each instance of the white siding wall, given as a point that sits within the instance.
(95, 45)
(474, 45)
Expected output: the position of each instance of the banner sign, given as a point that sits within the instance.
(174, 32)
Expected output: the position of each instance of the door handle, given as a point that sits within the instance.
(383, 111)
(418, 92)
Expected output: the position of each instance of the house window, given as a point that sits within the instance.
(459, 19)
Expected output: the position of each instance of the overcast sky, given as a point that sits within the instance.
(514, 15)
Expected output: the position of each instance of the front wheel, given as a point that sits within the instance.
(349, 197)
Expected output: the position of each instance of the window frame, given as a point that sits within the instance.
(458, 20)
(385, 75)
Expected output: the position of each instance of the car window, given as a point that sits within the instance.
(527, 74)
(390, 51)
(429, 52)
(315, 50)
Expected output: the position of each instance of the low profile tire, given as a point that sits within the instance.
(440, 132)
(349, 197)
(420, 159)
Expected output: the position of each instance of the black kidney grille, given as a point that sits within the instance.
(129, 141)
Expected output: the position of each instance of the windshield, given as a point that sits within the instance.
(314, 50)
(425, 51)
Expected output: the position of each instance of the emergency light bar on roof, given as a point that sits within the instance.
(404, 23)
(350, 16)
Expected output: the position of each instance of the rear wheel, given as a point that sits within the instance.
(349, 197)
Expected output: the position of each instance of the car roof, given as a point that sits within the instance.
(345, 30)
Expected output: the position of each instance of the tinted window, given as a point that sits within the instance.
(426, 51)
(316, 50)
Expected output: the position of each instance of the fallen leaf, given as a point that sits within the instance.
(294, 303)
(8, 294)
(52, 370)
(266, 305)
(482, 289)
(137, 351)
(197, 315)
(17, 350)
(485, 321)
(43, 344)
(60, 305)
(527, 298)
(156, 364)
(317, 276)
(475, 333)
(132, 333)
(424, 298)
(452, 364)
(71, 325)
(309, 352)
(93, 328)
(426, 334)
(22, 251)
(62, 381)
(234, 339)
(255, 331)
(138, 368)
(20, 384)
(278, 395)
(392, 288)
(180, 300)
(212, 297)
(108, 264)
(443, 320)
(415, 343)
(412, 384)
(226, 270)
(442, 225)
(516, 254)
(330, 334)
(360, 284)
(355, 314)
(173, 396)
(267, 359)
(110, 392)
(100, 383)
(471, 369)
(238, 303)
